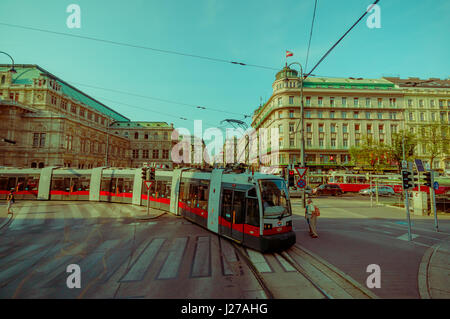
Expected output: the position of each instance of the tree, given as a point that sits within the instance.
(370, 153)
(435, 141)
(396, 148)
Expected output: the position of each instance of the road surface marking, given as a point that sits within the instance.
(172, 264)
(258, 261)
(405, 236)
(286, 266)
(141, 265)
(228, 256)
(201, 266)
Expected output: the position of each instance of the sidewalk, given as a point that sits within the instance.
(434, 273)
(141, 213)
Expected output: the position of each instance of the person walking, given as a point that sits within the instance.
(311, 213)
(11, 200)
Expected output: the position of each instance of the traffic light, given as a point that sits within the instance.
(428, 179)
(407, 179)
(144, 173)
(291, 181)
(152, 174)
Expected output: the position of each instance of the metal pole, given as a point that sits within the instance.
(407, 214)
(433, 201)
(148, 201)
(376, 189)
(370, 190)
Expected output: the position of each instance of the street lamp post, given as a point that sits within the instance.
(12, 70)
(302, 137)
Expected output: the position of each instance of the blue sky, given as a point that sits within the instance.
(412, 41)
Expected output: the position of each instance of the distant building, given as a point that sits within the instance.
(150, 142)
(54, 124)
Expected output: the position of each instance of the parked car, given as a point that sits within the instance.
(327, 189)
(297, 192)
(382, 191)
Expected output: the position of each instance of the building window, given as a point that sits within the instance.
(331, 101)
(345, 143)
(380, 116)
(144, 153)
(135, 153)
(81, 112)
(344, 101)
(344, 128)
(369, 129)
(291, 114)
(392, 115)
(380, 102)
(165, 154)
(355, 102)
(308, 141)
(308, 127)
(410, 102)
(280, 114)
(308, 114)
(280, 129)
(332, 115)
(355, 115)
(136, 135)
(291, 142)
(357, 142)
(320, 114)
(89, 115)
(344, 114)
(421, 103)
(333, 128)
(368, 115)
(422, 117)
(320, 142)
(279, 101)
(394, 128)
(392, 102)
(320, 101)
(38, 139)
(291, 127)
(381, 128)
(368, 102)
(433, 116)
(431, 103)
(333, 142)
(96, 118)
(291, 100)
(411, 116)
(320, 128)
(356, 128)
(308, 101)
(155, 154)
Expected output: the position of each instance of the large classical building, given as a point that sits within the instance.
(48, 122)
(338, 113)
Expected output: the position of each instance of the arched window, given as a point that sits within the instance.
(136, 135)
(41, 165)
(33, 165)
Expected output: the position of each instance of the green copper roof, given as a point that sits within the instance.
(27, 72)
(133, 124)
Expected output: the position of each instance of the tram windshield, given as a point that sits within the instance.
(274, 200)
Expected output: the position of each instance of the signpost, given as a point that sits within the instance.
(301, 171)
(148, 184)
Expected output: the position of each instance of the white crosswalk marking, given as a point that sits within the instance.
(20, 217)
(173, 261)
(76, 213)
(405, 236)
(202, 260)
(259, 261)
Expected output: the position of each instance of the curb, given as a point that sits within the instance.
(422, 278)
(339, 272)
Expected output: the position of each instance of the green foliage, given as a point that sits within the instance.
(370, 153)
(435, 138)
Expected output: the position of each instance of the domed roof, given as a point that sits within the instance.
(286, 72)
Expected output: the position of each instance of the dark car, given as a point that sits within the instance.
(327, 189)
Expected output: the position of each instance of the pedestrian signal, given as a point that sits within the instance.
(407, 179)
(291, 180)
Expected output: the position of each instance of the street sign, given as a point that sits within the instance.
(301, 183)
(301, 171)
(419, 165)
(436, 185)
(148, 184)
(404, 164)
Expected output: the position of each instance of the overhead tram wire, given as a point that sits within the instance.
(340, 39)
(195, 106)
(310, 34)
(136, 46)
(152, 110)
(331, 49)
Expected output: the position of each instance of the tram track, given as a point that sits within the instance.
(319, 279)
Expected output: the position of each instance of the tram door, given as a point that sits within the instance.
(233, 212)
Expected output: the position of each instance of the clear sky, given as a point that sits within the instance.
(413, 41)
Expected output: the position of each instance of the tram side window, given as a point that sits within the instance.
(3, 184)
(238, 208)
(57, 184)
(11, 183)
(181, 194)
(227, 201)
(252, 212)
(193, 193)
(84, 184)
(105, 185)
(127, 185)
(203, 195)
